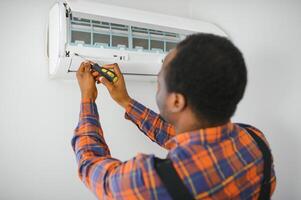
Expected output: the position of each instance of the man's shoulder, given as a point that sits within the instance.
(247, 128)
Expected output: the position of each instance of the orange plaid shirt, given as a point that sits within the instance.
(215, 163)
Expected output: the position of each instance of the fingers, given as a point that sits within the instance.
(106, 83)
(115, 67)
(95, 73)
(97, 79)
(81, 67)
(108, 66)
(90, 61)
(87, 67)
(96, 76)
(84, 67)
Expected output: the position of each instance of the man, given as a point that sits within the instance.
(199, 86)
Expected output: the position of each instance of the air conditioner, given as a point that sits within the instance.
(137, 40)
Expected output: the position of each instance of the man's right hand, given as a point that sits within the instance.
(117, 90)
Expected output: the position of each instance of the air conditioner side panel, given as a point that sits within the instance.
(57, 37)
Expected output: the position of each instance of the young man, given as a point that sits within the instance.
(199, 86)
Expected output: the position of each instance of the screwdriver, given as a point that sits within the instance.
(107, 73)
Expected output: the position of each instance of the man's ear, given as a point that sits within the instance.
(176, 102)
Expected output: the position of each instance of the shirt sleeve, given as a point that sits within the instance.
(107, 177)
(150, 123)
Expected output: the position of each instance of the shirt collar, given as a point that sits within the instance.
(202, 136)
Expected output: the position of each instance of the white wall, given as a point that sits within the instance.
(38, 115)
(269, 35)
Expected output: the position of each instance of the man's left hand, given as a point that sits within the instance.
(86, 81)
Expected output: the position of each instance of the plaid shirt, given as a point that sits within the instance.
(215, 163)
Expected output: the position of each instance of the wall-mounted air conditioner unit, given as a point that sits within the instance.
(137, 40)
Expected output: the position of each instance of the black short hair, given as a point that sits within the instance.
(210, 72)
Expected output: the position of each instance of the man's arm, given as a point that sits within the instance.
(105, 176)
(149, 122)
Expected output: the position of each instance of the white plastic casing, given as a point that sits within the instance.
(139, 65)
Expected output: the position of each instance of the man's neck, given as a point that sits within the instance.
(189, 122)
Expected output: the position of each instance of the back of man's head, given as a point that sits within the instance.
(211, 74)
